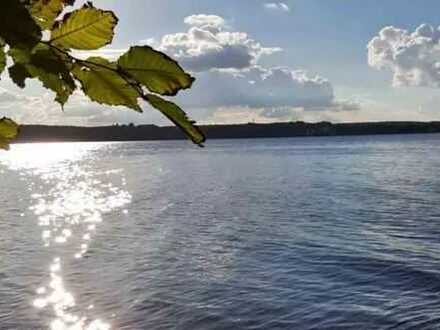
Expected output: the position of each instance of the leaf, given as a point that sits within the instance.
(17, 27)
(18, 73)
(103, 85)
(8, 131)
(156, 71)
(46, 65)
(86, 29)
(178, 117)
(2, 56)
(46, 11)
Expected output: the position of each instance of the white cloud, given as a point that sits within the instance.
(229, 76)
(277, 6)
(260, 87)
(209, 45)
(233, 115)
(108, 53)
(41, 109)
(413, 58)
(202, 20)
(6, 97)
(231, 85)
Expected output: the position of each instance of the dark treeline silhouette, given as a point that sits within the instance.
(39, 133)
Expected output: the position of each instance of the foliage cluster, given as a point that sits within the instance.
(39, 38)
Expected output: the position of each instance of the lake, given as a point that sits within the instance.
(300, 233)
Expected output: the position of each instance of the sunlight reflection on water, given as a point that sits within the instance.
(68, 213)
(313, 233)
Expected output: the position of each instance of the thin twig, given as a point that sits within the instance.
(87, 63)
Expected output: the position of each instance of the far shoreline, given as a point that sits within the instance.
(121, 133)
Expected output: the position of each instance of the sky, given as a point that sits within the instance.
(269, 61)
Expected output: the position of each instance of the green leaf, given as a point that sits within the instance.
(18, 73)
(178, 117)
(2, 56)
(17, 27)
(45, 65)
(86, 29)
(156, 71)
(46, 11)
(8, 131)
(102, 84)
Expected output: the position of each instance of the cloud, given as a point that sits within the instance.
(413, 58)
(226, 65)
(283, 114)
(260, 87)
(41, 109)
(277, 6)
(202, 20)
(111, 54)
(6, 97)
(207, 44)
(264, 88)
(242, 115)
(231, 85)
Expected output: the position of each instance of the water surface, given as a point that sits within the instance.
(305, 233)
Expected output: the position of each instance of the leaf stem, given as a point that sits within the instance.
(126, 77)
(87, 63)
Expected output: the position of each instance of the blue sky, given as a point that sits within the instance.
(299, 60)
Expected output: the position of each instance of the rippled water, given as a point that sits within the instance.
(315, 233)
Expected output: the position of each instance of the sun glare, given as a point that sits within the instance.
(44, 155)
(69, 204)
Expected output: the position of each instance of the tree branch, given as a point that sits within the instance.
(87, 63)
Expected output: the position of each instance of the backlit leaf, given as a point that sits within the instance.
(45, 65)
(46, 11)
(155, 70)
(8, 131)
(105, 86)
(18, 73)
(86, 29)
(2, 56)
(17, 27)
(120, 83)
(178, 117)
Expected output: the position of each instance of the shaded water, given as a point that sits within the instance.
(316, 233)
